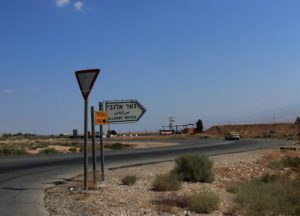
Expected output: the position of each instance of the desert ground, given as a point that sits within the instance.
(114, 198)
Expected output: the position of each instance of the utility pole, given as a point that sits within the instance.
(171, 121)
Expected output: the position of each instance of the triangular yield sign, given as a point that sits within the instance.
(86, 80)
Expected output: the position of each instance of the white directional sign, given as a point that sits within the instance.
(86, 80)
(124, 111)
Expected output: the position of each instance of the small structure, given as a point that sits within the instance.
(75, 133)
(184, 128)
(179, 128)
(166, 132)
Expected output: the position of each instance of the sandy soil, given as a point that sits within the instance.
(61, 149)
(63, 145)
(114, 199)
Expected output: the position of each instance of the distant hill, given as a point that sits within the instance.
(283, 114)
(277, 130)
(287, 114)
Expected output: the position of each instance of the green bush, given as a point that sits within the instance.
(12, 150)
(204, 202)
(71, 144)
(6, 135)
(117, 146)
(293, 162)
(72, 150)
(232, 188)
(48, 151)
(276, 197)
(288, 162)
(268, 178)
(194, 168)
(34, 145)
(75, 144)
(166, 182)
(129, 180)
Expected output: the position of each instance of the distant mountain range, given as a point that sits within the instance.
(278, 115)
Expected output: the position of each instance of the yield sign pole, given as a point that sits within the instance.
(86, 80)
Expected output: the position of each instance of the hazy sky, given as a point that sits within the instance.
(185, 58)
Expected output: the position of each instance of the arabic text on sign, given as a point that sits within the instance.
(121, 113)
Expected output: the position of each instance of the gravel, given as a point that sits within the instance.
(114, 199)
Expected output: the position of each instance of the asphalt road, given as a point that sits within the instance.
(24, 179)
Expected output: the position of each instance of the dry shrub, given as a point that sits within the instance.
(166, 182)
(194, 168)
(129, 180)
(204, 202)
(12, 150)
(232, 187)
(269, 196)
(49, 151)
(173, 199)
(167, 208)
(73, 149)
(117, 146)
(168, 202)
(288, 162)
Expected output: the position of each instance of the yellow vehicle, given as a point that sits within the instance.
(232, 135)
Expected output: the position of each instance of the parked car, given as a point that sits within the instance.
(232, 136)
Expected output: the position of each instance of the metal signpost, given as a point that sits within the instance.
(93, 144)
(101, 143)
(121, 111)
(86, 80)
(101, 119)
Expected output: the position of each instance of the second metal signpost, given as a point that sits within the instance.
(121, 111)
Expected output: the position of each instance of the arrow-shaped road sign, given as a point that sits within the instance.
(86, 80)
(124, 111)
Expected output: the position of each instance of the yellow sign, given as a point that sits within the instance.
(101, 118)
